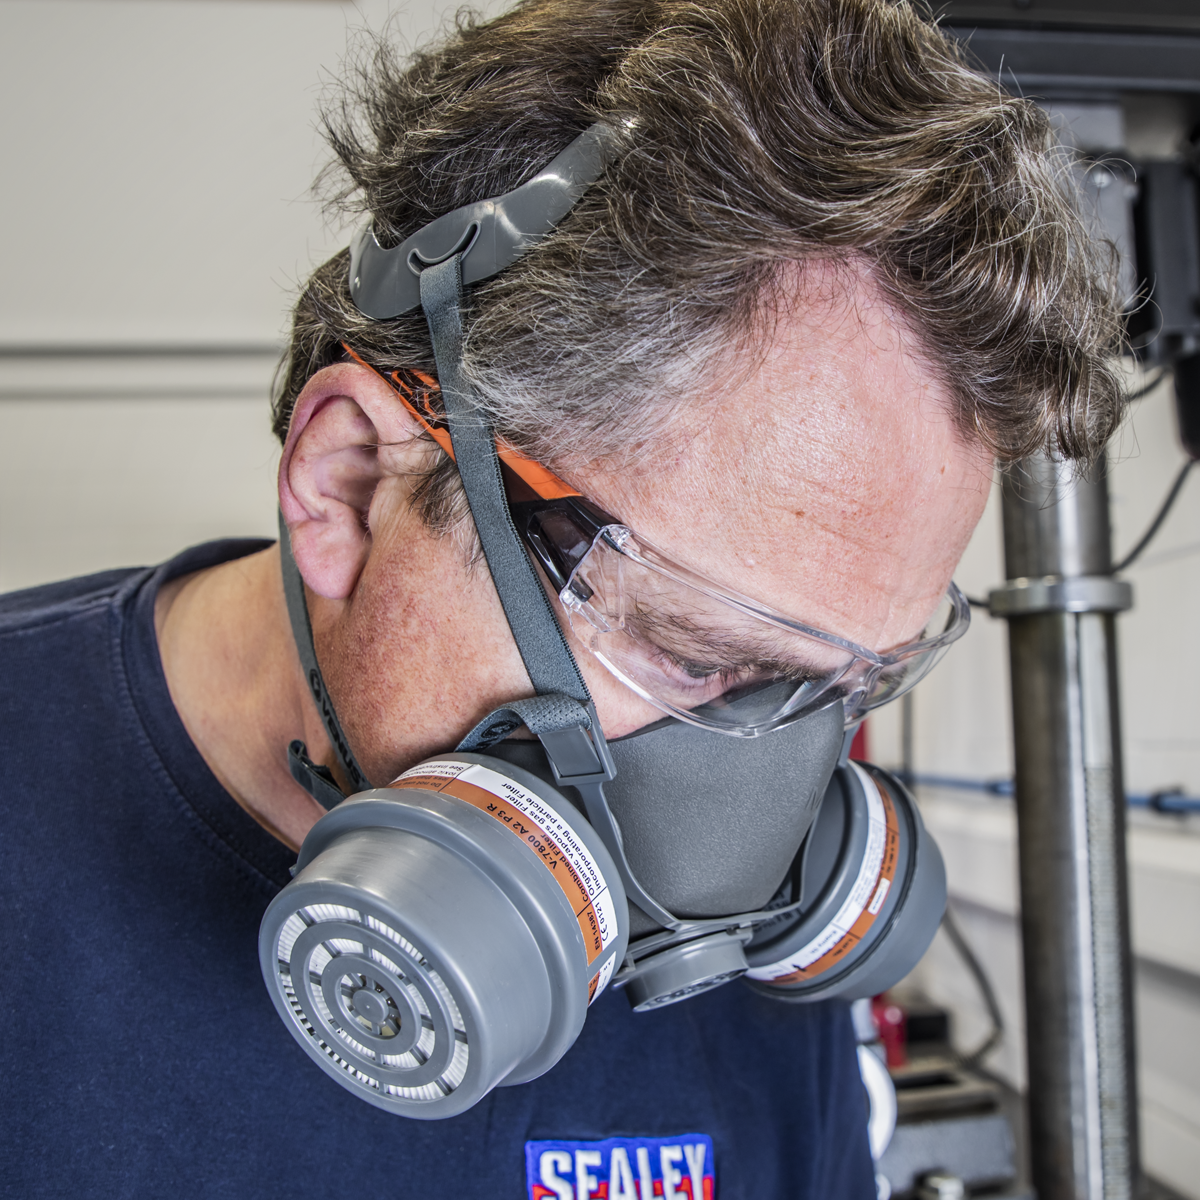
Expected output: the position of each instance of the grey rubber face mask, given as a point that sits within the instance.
(445, 934)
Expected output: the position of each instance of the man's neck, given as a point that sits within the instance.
(236, 681)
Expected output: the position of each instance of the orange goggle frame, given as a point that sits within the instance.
(553, 520)
(416, 389)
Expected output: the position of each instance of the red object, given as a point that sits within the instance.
(892, 1023)
(858, 744)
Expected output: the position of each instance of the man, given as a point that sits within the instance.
(825, 278)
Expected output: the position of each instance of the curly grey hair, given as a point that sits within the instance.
(753, 134)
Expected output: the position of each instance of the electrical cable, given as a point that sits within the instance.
(1148, 386)
(1168, 800)
(1156, 524)
(993, 1039)
(1146, 538)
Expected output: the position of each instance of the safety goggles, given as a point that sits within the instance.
(684, 643)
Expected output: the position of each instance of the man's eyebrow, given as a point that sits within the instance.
(730, 652)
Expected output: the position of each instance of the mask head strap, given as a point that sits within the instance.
(539, 637)
(563, 713)
(429, 270)
(316, 780)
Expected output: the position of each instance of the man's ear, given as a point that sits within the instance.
(331, 468)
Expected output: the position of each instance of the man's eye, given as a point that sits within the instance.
(701, 671)
(711, 678)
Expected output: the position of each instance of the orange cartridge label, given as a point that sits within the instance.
(545, 831)
(857, 914)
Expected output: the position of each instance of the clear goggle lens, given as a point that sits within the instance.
(717, 659)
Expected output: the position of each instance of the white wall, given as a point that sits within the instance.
(157, 159)
(155, 212)
(1160, 640)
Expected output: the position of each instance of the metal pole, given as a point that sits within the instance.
(1060, 602)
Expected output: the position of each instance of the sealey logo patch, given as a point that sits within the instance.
(666, 1168)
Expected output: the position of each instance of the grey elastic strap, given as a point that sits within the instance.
(297, 606)
(582, 762)
(562, 713)
(541, 715)
(536, 631)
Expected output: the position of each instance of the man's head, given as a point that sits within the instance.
(829, 274)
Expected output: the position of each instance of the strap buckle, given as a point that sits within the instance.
(578, 756)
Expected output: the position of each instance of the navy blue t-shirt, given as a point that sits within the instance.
(141, 1055)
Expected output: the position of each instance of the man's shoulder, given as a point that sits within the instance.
(65, 599)
(57, 664)
(89, 595)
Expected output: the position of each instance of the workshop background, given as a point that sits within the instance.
(156, 223)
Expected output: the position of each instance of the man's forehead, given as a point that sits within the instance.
(824, 474)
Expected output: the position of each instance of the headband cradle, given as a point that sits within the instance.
(490, 234)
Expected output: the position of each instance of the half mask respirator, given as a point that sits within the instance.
(445, 935)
